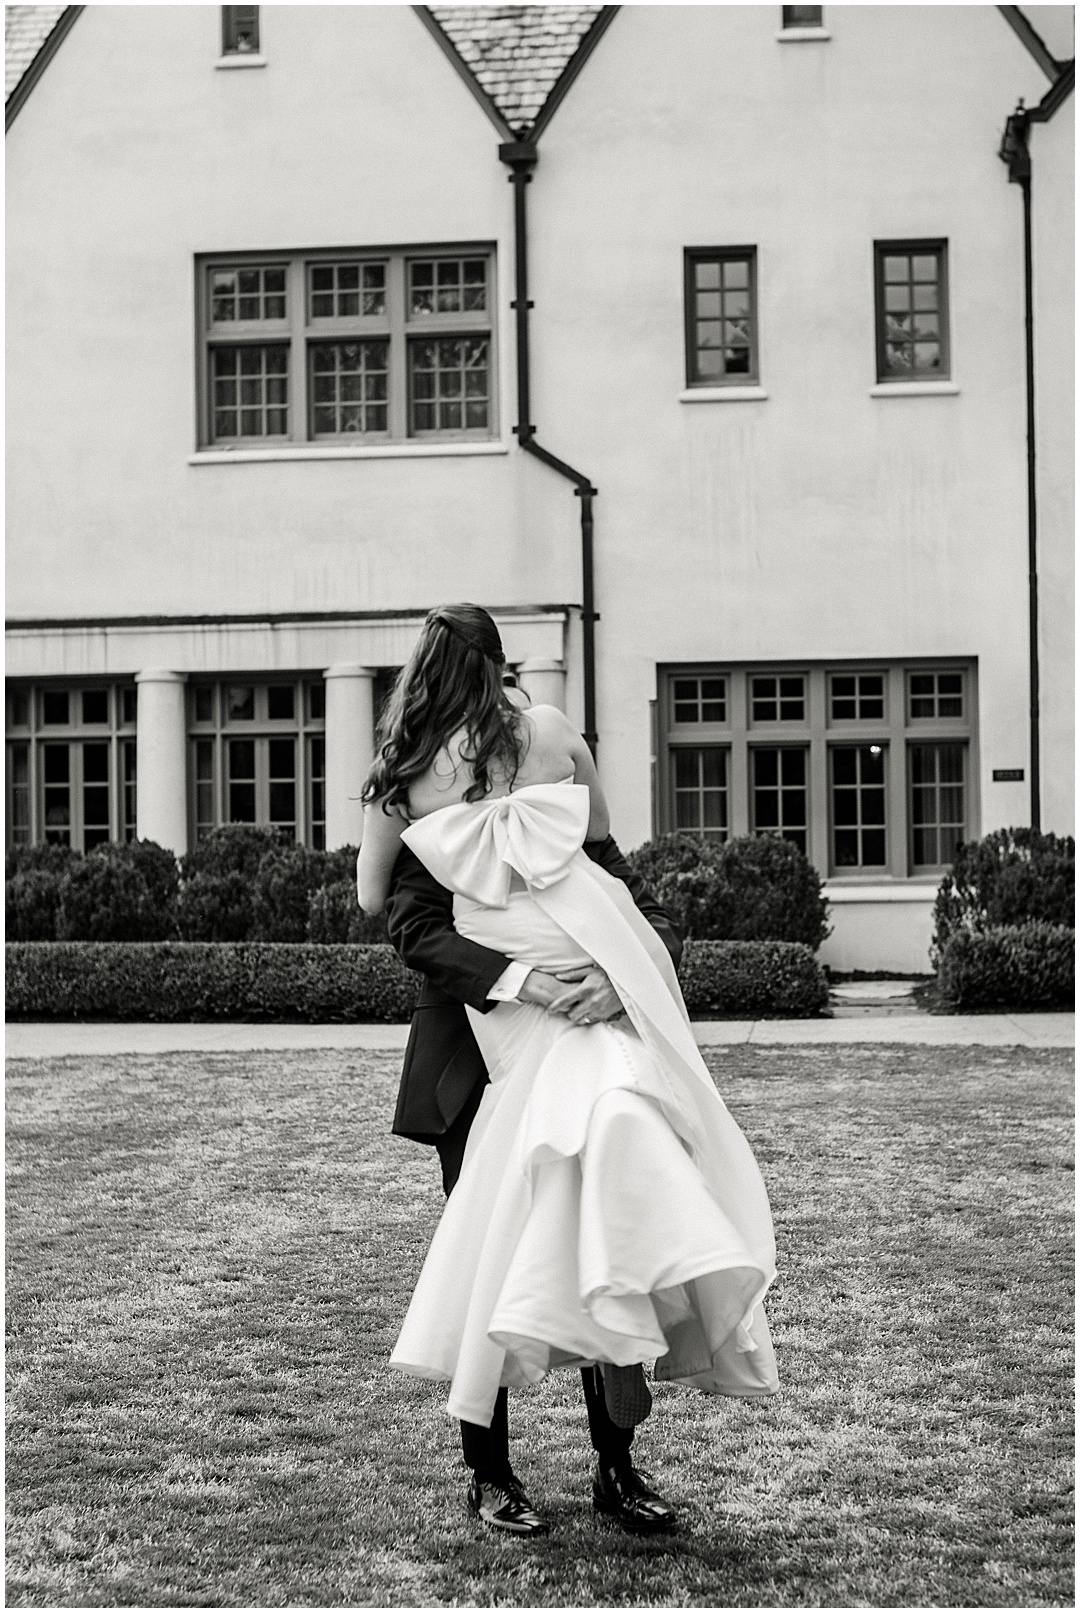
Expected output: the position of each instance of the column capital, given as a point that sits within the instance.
(541, 663)
(349, 669)
(160, 674)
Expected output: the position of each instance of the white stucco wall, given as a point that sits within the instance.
(132, 155)
(823, 521)
(1052, 147)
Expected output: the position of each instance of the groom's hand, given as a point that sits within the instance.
(591, 997)
(540, 988)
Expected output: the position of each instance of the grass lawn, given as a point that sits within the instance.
(210, 1256)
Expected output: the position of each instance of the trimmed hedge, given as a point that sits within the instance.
(752, 980)
(206, 981)
(256, 980)
(1008, 877)
(753, 888)
(1030, 965)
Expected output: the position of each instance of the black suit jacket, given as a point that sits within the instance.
(442, 1061)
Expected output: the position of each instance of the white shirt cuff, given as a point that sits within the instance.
(509, 983)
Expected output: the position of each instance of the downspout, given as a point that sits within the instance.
(1014, 152)
(520, 157)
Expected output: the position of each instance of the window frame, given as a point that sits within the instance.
(118, 733)
(912, 246)
(787, 25)
(219, 728)
(229, 26)
(935, 741)
(895, 731)
(300, 333)
(692, 256)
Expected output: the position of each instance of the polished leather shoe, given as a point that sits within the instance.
(623, 1494)
(504, 1505)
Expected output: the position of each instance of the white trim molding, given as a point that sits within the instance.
(915, 389)
(844, 891)
(241, 60)
(723, 394)
(797, 36)
(399, 450)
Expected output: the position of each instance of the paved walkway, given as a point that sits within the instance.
(58, 1040)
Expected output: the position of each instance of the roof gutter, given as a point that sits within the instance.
(21, 93)
(1015, 153)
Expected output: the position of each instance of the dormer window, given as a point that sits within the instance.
(239, 30)
(802, 16)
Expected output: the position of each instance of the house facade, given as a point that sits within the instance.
(264, 375)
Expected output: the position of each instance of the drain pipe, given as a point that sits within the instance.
(520, 156)
(1014, 151)
(1015, 154)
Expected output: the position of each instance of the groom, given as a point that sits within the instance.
(442, 1082)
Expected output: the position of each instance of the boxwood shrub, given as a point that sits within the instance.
(1030, 965)
(1008, 877)
(753, 888)
(305, 981)
(752, 980)
(207, 981)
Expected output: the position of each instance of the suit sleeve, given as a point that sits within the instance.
(420, 923)
(611, 859)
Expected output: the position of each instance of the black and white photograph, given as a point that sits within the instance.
(539, 882)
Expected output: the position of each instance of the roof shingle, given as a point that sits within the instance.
(516, 53)
(26, 28)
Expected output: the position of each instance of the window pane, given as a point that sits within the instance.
(937, 803)
(801, 16)
(131, 704)
(204, 703)
(240, 29)
(54, 706)
(441, 369)
(280, 702)
(95, 705)
(240, 704)
(316, 700)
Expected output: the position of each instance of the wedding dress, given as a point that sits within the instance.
(609, 1209)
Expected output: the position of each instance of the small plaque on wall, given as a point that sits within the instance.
(1008, 775)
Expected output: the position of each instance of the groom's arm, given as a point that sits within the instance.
(607, 854)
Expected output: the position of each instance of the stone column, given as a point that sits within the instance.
(161, 759)
(544, 681)
(350, 743)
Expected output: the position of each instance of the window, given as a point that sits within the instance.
(858, 806)
(239, 30)
(701, 790)
(71, 764)
(857, 696)
(258, 756)
(778, 792)
(801, 16)
(911, 294)
(937, 804)
(700, 699)
(778, 699)
(863, 766)
(347, 348)
(721, 316)
(935, 695)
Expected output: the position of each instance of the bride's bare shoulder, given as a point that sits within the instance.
(550, 727)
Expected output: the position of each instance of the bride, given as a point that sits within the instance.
(609, 1210)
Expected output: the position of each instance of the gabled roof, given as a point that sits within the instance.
(26, 28)
(517, 54)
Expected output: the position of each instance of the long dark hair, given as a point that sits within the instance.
(453, 680)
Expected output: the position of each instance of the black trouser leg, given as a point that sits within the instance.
(451, 1145)
(487, 1450)
(611, 1443)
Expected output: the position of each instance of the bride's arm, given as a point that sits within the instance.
(558, 736)
(585, 773)
(378, 853)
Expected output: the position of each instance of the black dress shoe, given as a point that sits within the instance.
(504, 1505)
(622, 1493)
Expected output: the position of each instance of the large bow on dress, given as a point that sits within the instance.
(473, 848)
